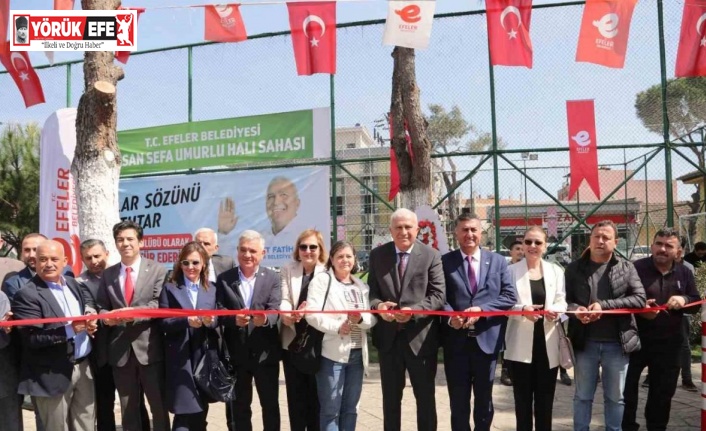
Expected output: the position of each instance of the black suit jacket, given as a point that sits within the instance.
(250, 345)
(422, 288)
(222, 263)
(47, 354)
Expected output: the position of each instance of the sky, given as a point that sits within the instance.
(259, 76)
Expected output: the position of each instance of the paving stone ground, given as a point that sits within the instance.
(686, 407)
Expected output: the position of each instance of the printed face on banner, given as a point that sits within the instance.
(278, 203)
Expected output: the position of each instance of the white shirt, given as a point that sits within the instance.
(193, 290)
(135, 270)
(475, 258)
(247, 287)
(211, 271)
(398, 251)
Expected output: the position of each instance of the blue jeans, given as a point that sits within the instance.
(609, 357)
(339, 386)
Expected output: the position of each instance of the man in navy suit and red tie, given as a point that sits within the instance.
(476, 280)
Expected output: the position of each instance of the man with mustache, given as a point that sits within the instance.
(672, 285)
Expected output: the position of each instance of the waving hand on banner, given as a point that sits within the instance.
(227, 217)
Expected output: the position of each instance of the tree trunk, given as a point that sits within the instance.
(96, 164)
(415, 174)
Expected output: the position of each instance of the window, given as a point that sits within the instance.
(351, 145)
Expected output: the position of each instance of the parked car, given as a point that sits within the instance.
(640, 251)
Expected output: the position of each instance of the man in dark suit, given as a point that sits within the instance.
(95, 258)
(29, 257)
(135, 346)
(10, 401)
(476, 280)
(54, 370)
(253, 341)
(217, 264)
(406, 275)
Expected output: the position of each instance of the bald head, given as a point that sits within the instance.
(50, 260)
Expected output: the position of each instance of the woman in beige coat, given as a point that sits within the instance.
(532, 341)
(309, 258)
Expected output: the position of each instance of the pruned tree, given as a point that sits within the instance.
(19, 183)
(450, 133)
(686, 109)
(406, 108)
(96, 164)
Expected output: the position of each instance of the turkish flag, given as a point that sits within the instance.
(313, 26)
(4, 19)
(63, 4)
(605, 28)
(691, 54)
(508, 32)
(18, 66)
(223, 23)
(583, 154)
(124, 56)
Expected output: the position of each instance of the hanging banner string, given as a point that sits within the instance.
(162, 313)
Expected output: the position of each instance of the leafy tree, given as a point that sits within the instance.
(449, 134)
(686, 109)
(19, 182)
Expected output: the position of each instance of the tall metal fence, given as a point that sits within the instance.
(511, 168)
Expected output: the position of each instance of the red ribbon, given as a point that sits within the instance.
(161, 313)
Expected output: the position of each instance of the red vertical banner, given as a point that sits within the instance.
(691, 54)
(509, 32)
(4, 19)
(63, 4)
(583, 154)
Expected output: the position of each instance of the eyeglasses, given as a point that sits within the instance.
(188, 263)
(533, 242)
(310, 247)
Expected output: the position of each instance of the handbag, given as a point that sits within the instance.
(305, 348)
(212, 377)
(567, 359)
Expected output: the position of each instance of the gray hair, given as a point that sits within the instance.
(403, 213)
(251, 235)
(89, 243)
(207, 230)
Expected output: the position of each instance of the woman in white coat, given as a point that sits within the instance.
(344, 348)
(309, 259)
(532, 341)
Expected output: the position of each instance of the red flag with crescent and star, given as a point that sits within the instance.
(605, 28)
(313, 26)
(19, 67)
(583, 153)
(509, 32)
(63, 4)
(223, 23)
(691, 54)
(4, 19)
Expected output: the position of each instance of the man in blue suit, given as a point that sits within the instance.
(476, 280)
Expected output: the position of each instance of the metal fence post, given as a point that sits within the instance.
(68, 85)
(190, 101)
(665, 117)
(334, 165)
(494, 134)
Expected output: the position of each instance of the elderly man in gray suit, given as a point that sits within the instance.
(135, 348)
(406, 274)
(217, 264)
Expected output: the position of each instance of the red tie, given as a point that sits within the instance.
(129, 287)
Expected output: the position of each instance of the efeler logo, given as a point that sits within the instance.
(583, 140)
(410, 14)
(608, 25)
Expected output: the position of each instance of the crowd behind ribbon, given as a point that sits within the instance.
(72, 370)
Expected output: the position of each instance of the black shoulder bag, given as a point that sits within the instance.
(214, 381)
(305, 348)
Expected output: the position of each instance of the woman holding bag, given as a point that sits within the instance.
(185, 338)
(344, 351)
(309, 259)
(532, 341)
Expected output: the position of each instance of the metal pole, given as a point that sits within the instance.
(494, 134)
(647, 206)
(190, 101)
(625, 188)
(524, 169)
(665, 117)
(68, 85)
(334, 165)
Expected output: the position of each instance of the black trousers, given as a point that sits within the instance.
(662, 362)
(191, 422)
(302, 399)
(422, 373)
(239, 413)
(105, 400)
(533, 386)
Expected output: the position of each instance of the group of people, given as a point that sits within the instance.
(72, 369)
